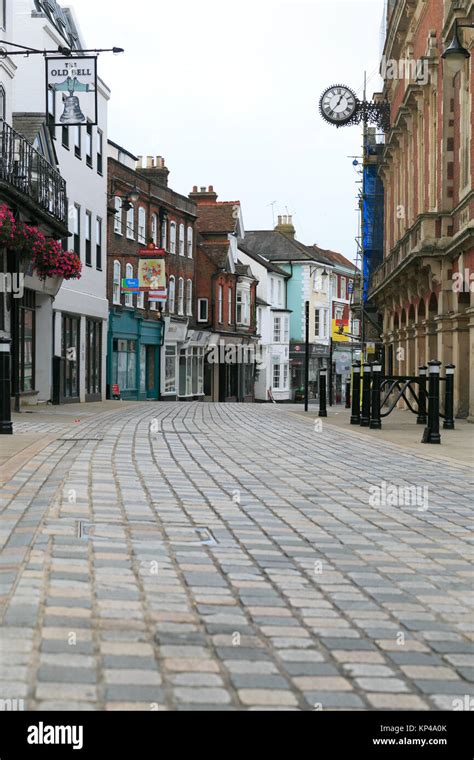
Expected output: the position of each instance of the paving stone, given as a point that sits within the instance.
(272, 697)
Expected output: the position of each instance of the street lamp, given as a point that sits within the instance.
(455, 54)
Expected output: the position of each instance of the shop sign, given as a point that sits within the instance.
(151, 275)
(130, 285)
(72, 84)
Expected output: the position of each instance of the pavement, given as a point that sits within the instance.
(165, 556)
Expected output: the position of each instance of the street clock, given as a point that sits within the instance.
(338, 105)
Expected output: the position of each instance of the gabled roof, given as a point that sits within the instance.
(269, 266)
(218, 252)
(218, 217)
(244, 270)
(277, 247)
(334, 257)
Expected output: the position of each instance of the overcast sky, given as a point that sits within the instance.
(228, 93)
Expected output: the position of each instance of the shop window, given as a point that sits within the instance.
(170, 369)
(124, 369)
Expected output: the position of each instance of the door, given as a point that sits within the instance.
(151, 372)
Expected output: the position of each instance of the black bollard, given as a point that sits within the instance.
(323, 393)
(422, 418)
(348, 394)
(6, 426)
(366, 385)
(432, 434)
(449, 398)
(355, 416)
(375, 420)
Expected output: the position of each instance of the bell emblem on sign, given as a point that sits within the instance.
(72, 111)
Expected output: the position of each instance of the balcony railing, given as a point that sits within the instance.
(26, 170)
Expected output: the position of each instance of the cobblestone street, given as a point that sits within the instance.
(196, 556)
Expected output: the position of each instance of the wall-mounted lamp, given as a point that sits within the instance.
(455, 54)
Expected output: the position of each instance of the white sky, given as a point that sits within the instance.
(228, 93)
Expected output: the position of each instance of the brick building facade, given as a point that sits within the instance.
(226, 299)
(427, 166)
(154, 350)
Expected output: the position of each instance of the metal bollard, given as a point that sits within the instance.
(431, 434)
(348, 394)
(6, 425)
(355, 415)
(449, 398)
(366, 385)
(323, 393)
(422, 418)
(375, 420)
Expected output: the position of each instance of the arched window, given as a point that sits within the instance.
(154, 228)
(189, 298)
(142, 225)
(181, 239)
(118, 216)
(173, 237)
(3, 103)
(171, 295)
(116, 286)
(129, 276)
(181, 296)
(131, 222)
(190, 242)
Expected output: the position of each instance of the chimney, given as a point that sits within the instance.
(203, 195)
(285, 226)
(155, 170)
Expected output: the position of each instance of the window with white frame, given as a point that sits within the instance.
(189, 298)
(116, 298)
(286, 374)
(118, 216)
(230, 306)
(203, 310)
(140, 300)
(142, 225)
(221, 304)
(243, 306)
(190, 242)
(172, 295)
(181, 296)
(170, 368)
(164, 234)
(279, 292)
(343, 287)
(131, 222)
(277, 330)
(181, 239)
(276, 380)
(172, 237)
(129, 276)
(286, 329)
(339, 313)
(154, 228)
(321, 323)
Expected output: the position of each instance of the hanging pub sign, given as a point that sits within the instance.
(71, 91)
(152, 250)
(151, 274)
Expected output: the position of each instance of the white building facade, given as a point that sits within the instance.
(273, 328)
(79, 321)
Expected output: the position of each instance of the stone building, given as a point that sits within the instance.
(424, 286)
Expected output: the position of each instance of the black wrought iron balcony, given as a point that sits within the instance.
(30, 180)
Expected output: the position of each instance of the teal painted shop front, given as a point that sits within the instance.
(133, 357)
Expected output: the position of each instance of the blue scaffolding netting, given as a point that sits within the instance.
(373, 224)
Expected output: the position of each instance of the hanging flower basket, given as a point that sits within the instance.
(46, 257)
(7, 227)
(50, 260)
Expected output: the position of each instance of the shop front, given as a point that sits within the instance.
(133, 362)
(230, 369)
(319, 356)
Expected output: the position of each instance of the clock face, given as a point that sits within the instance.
(338, 105)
